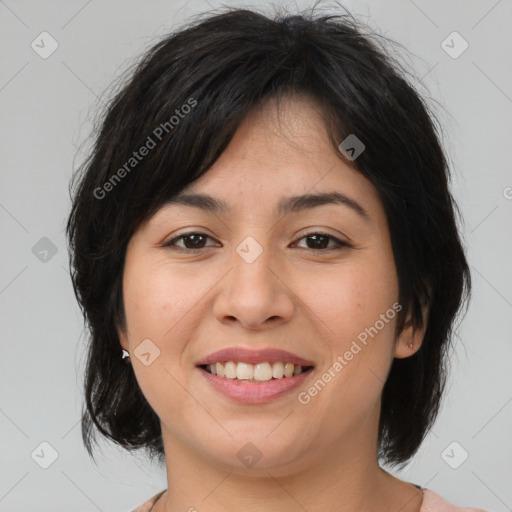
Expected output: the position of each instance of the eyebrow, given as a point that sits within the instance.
(287, 205)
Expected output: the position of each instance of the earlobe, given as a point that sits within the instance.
(124, 346)
(408, 343)
(410, 339)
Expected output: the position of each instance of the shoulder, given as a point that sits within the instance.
(432, 502)
(148, 505)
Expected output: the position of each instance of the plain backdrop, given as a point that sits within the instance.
(47, 103)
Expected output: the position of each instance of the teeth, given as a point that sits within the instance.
(288, 369)
(244, 371)
(260, 372)
(230, 370)
(219, 368)
(277, 370)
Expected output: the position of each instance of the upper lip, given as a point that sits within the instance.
(253, 356)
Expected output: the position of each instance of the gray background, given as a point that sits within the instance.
(46, 107)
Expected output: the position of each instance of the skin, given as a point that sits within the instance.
(319, 456)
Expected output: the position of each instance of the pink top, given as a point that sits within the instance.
(432, 502)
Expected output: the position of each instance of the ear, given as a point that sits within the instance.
(410, 339)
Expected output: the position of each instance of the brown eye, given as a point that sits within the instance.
(316, 241)
(191, 241)
(319, 241)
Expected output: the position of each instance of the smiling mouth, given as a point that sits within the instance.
(257, 373)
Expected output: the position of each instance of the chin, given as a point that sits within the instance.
(250, 452)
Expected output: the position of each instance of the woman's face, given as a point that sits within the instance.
(257, 278)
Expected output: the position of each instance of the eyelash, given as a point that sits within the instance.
(339, 244)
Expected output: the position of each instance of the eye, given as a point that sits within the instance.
(319, 240)
(191, 241)
(194, 241)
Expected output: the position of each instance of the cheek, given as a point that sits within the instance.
(353, 298)
(355, 305)
(158, 303)
(156, 298)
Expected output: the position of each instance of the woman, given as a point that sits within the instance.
(264, 228)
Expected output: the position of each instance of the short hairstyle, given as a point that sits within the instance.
(183, 102)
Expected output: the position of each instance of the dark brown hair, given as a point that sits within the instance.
(221, 66)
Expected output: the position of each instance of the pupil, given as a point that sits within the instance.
(317, 237)
(192, 237)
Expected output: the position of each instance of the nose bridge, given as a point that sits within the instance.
(253, 293)
(252, 262)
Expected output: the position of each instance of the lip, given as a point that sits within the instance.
(254, 356)
(255, 392)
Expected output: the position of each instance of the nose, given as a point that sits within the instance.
(256, 295)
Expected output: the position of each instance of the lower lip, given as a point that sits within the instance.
(255, 392)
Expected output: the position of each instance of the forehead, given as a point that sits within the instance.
(280, 160)
(282, 145)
